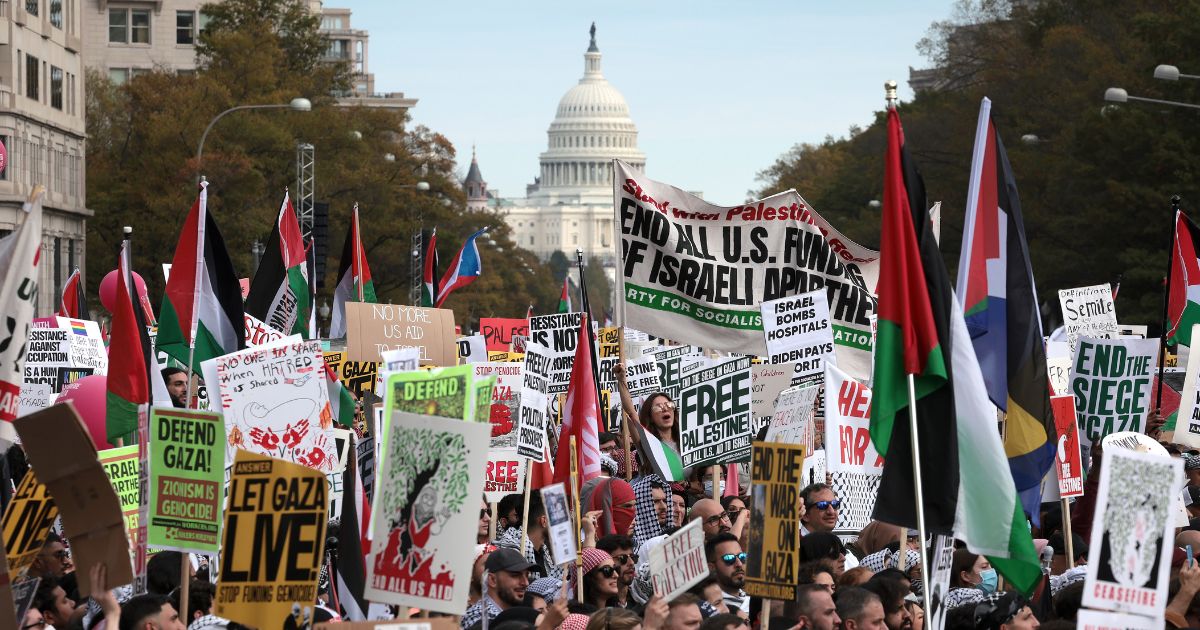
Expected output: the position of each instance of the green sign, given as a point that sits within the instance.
(187, 470)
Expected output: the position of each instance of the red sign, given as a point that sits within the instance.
(499, 331)
(1067, 460)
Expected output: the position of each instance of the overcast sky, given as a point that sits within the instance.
(718, 90)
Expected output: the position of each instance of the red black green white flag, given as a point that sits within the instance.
(202, 303)
(1183, 296)
(128, 396)
(429, 282)
(354, 277)
(279, 293)
(74, 301)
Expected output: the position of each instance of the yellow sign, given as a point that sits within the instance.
(273, 541)
(27, 521)
(773, 554)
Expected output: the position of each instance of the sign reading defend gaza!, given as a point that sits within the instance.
(273, 542)
(698, 273)
(187, 472)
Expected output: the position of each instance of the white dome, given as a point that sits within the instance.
(591, 128)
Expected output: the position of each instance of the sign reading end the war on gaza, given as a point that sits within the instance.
(697, 273)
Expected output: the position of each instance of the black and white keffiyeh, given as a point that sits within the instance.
(645, 520)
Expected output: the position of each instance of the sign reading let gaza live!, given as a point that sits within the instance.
(698, 273)
(187, 470)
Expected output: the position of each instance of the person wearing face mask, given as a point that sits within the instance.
(972, 579)
(615, 499)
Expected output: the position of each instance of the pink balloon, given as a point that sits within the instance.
(108, 288)
(90, 395)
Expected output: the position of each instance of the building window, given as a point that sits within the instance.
(185, 27)
(56, 13)
(32, 74)
(118, 75)
(129, 26)
(31, 6)
(56, 87)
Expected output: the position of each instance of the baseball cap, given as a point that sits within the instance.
(507, 560)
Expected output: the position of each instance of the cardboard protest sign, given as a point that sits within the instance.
(847, 425)
(1068, 459)
(1088, 312)
(1129, 556)
(123, 469)
(426, 497)
(505, 400)
(792, 422)
(505, 474)
(669, 361)
(276, 403)
(534, 403)
(698, 273)
(260, 333)
(374, 328)
(561, 530)
(798, 330)
(498, 332)
(61, 451)
(273, 541)
(27, 521)
(714, 414)
(472, 349)
(679, 563)
(357, 376)
(773, 551)
(767, 382)
(558, 334)
(187, 472)
(1110, 379)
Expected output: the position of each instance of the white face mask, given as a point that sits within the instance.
(708, 488)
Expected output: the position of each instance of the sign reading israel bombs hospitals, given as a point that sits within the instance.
(187, 470)
(716, 413)
(273, 542)
(698, 273)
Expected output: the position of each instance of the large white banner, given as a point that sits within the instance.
(698, 273)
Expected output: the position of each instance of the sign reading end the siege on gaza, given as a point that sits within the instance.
(697, 273)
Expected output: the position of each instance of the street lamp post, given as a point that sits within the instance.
(1119, 95)
(297, 105)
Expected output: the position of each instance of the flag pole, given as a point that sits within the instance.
(525, 506)
(1068, 538)
(358, 253)
(578, 520)
(621, 416)
(587, 311)
(890, 95)
(1162, 340)
(193, 325)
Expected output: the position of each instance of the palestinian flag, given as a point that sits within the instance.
(429, 283)
(202, 303)
(74, 301)
(354, 277)
(279, 294)
(662, 459)
(128, 395)
(922, 336)
(1183, 294)
(341, 401)
(995, 280)
(350, 574)
(564, 300)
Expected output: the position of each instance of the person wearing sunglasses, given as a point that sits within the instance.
(54, 560)
(600, 578)
(483, 534)
(727, 561)
(821, 508)
(656, 415)
(621, 549)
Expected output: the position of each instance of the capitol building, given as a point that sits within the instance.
(570, 204)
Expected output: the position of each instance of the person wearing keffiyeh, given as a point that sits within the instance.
(651, 495)
(537, 547)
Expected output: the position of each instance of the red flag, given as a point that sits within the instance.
(541, 474)
(74, 301)
(580, 417)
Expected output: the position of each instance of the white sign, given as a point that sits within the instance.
(558, 334)
(847, 425)
(558, 515)
(1187, 423)
(1104, 620)
(1088, 312)
(472, 349)
(1129, 556)
(505, 474)
(714, 414)
(767, 382)
(1058, 366)
(797, 330)
(534, 403)
(678, 563)
(792, 422)
(506, 400)
(943, 559)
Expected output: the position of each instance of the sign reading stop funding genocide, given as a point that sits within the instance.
(187, 471)
(1110, 379)
(798, 331)
(773, 551)
(698, 273)
(715, 414)
(273, 542)
(1088, 312)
